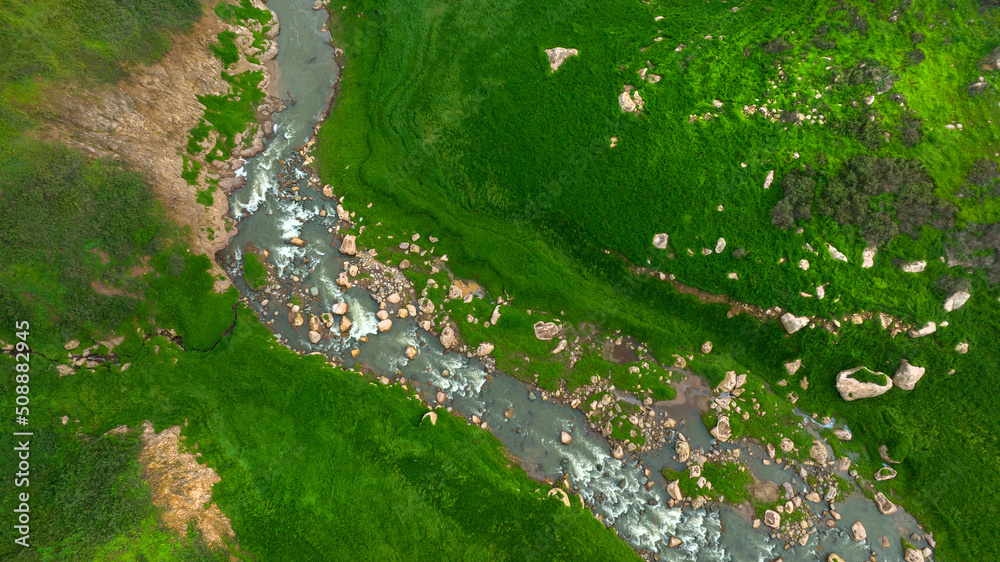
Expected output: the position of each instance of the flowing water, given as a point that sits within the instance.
(269, 215)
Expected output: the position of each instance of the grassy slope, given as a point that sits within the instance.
(451, 124)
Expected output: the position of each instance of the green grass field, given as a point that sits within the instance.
(451, 124)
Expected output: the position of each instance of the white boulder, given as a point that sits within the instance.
(956, 300)
(793, 323)
(907, 375)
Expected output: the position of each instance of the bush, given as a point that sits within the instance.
(777, 45)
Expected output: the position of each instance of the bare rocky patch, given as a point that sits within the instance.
(182, 487)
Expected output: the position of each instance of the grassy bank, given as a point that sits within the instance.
(452, 125)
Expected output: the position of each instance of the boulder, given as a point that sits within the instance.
(907, 375)
(868, 257)
(342, 213)
(913, 266)
(722, 431)
(858, 532)
(706, 347)
(835, 253)
(72, 344)
(660, 240)
(618, 453)
(349, 245)
(956, 300)
(559, 54)
(769, 179)
(345, 324)
(962, 347)
(851, 389)
(448, 338)
(772, 519)
(484, 349)
(793, 323)
(546, 330)
(495, 317)
(64, 370)
(673, 542)
(694, 471)
(793, 366)
(812, 497)
(674, 489)
(441, 397)
(431, 416)
(728, 383)
(296, 241)
(927, 330)
(340, 308)
(314, 337)
(384, 325)
(834, 558)
(885, 507)
(626, 103)
(683, 450)
(720, 245)
(560, 494)
(885, 473)
(787, 445)
(818, 452)
(842, 434)
(411, 352)
(913, 555)
(565, 438)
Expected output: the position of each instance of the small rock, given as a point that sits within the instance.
(772, 519)
(546, 330)
(956, 300)
(411, 352)
(769, 179)
(349, 245)
(907, 376)
(559, 54)
(706, 347)
(858, 532)
(660, 240)
(565, 438)
(914, 266)
(484, 349)
(927, 330)
(384, 325)
(673, 488)
(818, 452)
(868, 257)
(793, 323)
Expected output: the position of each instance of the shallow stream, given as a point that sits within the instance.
(269, 216)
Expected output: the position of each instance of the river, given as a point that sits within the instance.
(270, 213)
